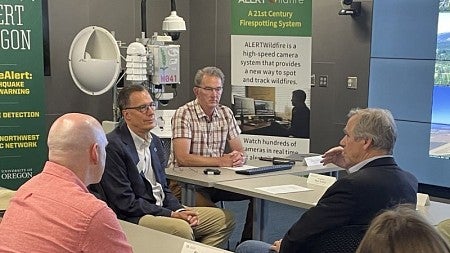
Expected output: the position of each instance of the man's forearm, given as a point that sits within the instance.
(199, 161)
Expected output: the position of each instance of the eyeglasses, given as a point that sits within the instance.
(211, 89)
(143, 108)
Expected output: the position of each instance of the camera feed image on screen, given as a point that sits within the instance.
(258, 116)
(440, 121)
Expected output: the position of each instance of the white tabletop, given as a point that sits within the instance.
(146, 240)
(195, 175)
(190, 177)
(5, 197)
(435, 212)
(303, 199)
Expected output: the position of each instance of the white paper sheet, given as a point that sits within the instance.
(284, 189)
(313, 161)
(244, 167)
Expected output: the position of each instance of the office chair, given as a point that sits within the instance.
(97, 191)
(339, 240)
(166, 143)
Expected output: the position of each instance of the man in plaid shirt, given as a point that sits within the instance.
(201, 129)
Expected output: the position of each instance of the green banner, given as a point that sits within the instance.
(271, 17)
(270, 59)
(22, 117)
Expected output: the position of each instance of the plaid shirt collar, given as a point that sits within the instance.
(201, 114)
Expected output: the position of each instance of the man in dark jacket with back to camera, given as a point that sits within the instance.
(375, 183)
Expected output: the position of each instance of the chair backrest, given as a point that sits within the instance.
(166, 142)
(339, 240)
(98, 191)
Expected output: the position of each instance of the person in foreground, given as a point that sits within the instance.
(54, 211)
(201, 129)
(402, 230)
(444, 229)
(375, 183)
(134, 183)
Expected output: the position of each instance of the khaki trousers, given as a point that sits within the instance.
(214, 229)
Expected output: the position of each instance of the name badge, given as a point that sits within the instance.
(197, 248)
(423, 199)
(321, 180)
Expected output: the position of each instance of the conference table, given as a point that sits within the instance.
(253, 187)
(192, 177)
(435, 212)
(228, 180)
(146, 240)
(5, 196)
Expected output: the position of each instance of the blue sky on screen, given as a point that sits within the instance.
(441, 105)
(441, 94)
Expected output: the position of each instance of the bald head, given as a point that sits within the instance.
(77, 142)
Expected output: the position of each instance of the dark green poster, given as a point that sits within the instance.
(22, 103)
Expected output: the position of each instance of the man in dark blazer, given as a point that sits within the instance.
(134, 182)
(375, 183)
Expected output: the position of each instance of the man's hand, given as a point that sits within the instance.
(276, 246)
(237, 158)
(189, 216)
(334, 155)
(233, 159)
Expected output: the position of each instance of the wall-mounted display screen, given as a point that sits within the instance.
(440, 120)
